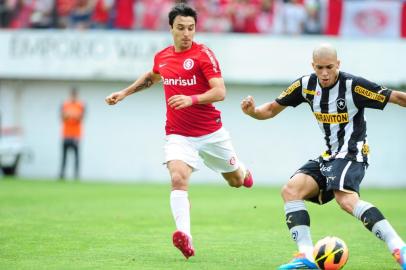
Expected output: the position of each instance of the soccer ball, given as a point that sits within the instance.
(330, 253)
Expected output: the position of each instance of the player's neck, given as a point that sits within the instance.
(337, 75)
(181, 49)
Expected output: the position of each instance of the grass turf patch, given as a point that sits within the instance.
(68, 225)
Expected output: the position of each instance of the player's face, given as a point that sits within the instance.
(183, 31)
(326, 68)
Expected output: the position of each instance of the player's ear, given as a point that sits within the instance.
(338, 63)
(314, 66)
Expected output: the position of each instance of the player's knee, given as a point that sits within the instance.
(178, 180)
(289, 192)
(234, 182)
(234, 179)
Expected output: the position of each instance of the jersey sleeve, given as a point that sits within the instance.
(367, 94)
(209, 64)
(155, 68)
(292, 96)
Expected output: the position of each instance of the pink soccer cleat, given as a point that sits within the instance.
(184, 243)
(248, 180)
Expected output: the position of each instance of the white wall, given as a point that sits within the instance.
(125, 142)
(254, 59)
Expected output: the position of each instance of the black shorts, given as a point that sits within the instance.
(336, 174)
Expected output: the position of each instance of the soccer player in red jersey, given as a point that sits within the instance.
(192, 81)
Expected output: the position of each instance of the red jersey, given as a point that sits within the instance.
(188, 73)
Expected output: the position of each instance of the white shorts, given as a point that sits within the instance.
(215, 149)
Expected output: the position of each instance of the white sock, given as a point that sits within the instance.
(383, 230)
(301, 234)
(180, 207)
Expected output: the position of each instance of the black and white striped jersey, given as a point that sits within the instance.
(339, 111)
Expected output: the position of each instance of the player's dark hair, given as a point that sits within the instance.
(183, 10)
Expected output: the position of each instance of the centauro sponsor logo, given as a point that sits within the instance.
(310, 92)
(290, 89)
(332, 118)
(369, 94)
(179, 81)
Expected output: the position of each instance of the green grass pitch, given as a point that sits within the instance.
(53, 225)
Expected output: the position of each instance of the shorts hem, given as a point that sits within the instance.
(194, 167)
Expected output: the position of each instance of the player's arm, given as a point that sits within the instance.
(62, 113)
(398, 97)
(143, 82)
(217, 92)
(262, 112)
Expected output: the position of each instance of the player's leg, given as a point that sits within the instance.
(75, 148)
(374, 221)
(180, 206)
(217, 152)
(347, 179)
(63, 161)
(306, 184)
(181, 159)
(239, 177)
(299, 188)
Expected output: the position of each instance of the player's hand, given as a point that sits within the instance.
(178, 102)
(248, 105)
(114, 98)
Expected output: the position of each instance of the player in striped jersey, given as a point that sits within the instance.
(338, 100)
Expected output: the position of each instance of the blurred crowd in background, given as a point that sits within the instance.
(286, 17)
(290, 17)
